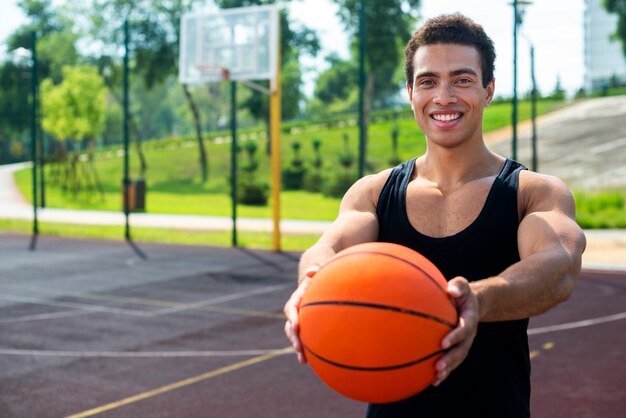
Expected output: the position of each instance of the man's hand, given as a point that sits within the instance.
(292, 307)
(459, 340)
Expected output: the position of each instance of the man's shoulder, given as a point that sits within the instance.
(539, 190)
(532, 181)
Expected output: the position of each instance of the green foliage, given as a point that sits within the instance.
(346, 158)
(14, 106)
(175, 186)
(395, 158)
(313, 179)
(601, 209)
(75, 108)
(389, 25)
(293, 175)
(251, 190)
(337, 186)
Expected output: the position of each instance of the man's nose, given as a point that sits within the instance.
(445, 95)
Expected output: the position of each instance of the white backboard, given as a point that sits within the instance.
(241, 42)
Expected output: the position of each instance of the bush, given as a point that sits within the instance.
(313, 182)
(253, 193)
(293, 176)
(250, 190)
(339, 185)
(603, 209)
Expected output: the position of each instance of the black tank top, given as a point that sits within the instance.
(494, 380)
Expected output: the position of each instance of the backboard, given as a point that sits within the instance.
(238, 43)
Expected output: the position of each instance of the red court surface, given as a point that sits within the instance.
(89, 328)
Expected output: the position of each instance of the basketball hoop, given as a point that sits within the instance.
(238, 44)
(213, 73)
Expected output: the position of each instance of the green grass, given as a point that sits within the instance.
(602, 209)
(168, 236)
(173, 176)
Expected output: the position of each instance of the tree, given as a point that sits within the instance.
(14, 113)
(155, 30)
(74, 111)
(388, 27)
(55, 45)
(336, 88)
(618, 7)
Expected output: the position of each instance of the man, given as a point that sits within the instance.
(505, 238)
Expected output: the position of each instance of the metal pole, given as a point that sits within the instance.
(126, 181)
(33, 128)
(533, 109)
(514, 115)
(362, 121)
(233, 156)
(275, 133)
(42, 161)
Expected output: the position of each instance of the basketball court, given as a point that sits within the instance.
(89, 328)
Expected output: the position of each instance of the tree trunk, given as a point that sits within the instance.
(367, 109)
(143, 165)
(196, 117)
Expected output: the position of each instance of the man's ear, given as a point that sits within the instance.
(409, 90)
(491, 88)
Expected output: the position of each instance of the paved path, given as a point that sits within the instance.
(584, 144)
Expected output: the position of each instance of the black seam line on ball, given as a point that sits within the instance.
(431, 278)
(372, 369)
(383, 307)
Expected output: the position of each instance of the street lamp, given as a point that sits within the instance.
(31, 56)
(519, 9)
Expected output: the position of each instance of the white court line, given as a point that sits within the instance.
(220, 299)
(144, 314)
(46, 316)
(144, 354)
(82, 306)
(232, 353)
(577, 324)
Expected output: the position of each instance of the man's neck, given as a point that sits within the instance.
(451, 168)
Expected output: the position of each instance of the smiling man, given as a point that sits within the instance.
(504, 237)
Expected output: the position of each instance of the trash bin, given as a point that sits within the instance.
(140, 194)
(136, 195)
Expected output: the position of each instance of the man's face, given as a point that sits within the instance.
(447, 96)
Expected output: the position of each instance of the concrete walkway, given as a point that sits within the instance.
(606, 249)
(14, 206)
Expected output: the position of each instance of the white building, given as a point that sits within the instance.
(604, 57)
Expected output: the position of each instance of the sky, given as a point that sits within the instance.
(555, 28)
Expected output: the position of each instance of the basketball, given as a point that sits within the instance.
(372, 320)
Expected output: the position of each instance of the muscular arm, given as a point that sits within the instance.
(550, 245)
(355, 223)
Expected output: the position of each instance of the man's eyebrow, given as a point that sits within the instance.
(426, 74)
(464, 71)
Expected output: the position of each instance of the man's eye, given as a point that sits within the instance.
(426, 83)
(464, 81)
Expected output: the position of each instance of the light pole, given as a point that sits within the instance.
(31, 56)
(519, 7)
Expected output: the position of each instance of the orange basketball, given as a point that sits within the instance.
(372, 320)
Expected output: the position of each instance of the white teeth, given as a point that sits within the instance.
(447, 117)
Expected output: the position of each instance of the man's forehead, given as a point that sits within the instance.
(446, 57)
